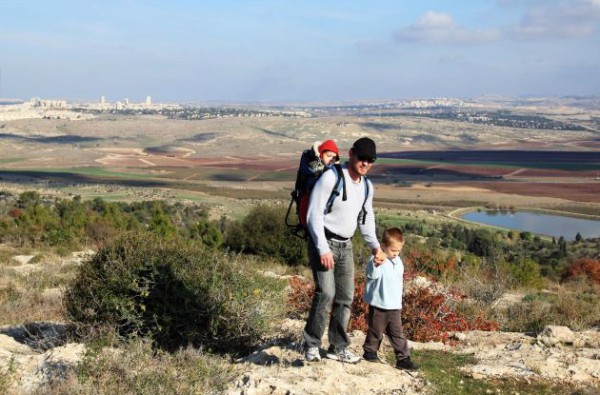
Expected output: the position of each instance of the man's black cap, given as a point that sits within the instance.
(364, 147)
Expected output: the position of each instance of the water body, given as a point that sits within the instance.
(544, 224)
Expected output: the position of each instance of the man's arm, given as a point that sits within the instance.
(368, 229)
(316, 211)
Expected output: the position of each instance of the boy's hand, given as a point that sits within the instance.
(378, 256)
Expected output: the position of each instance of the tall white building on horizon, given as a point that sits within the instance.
(148, 100)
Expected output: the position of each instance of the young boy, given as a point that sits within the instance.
(313, 163)
(383, 294)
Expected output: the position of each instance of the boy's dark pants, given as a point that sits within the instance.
(388, 322)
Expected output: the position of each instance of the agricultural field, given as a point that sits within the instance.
(426, 159)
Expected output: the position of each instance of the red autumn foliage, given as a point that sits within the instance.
(15, 212)
(428, 260)
(360, 310)
(587, 267)
(300, 297)
(426, 316)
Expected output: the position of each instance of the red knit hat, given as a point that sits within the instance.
(329, 145)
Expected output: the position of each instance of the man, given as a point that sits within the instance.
(330, 250)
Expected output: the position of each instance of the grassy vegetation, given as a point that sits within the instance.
(31, 292)
(580, 209)
(137, 368)
(442, 370)
(11, 160)
(575, 304)
(93, 171)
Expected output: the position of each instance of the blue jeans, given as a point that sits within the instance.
(334, 291)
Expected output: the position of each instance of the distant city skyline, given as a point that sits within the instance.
(273, 51)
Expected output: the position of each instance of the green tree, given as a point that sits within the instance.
(208, 233)
(526, 273)
(160, 222)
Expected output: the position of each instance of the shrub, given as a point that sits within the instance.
(263, 232)
(429, 260)
(524, 272)
(175, 293)
(586, 267)
(482, 280)
(359, 312)
(300, 297)
(427, 315)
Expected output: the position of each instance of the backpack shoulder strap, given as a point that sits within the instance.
(303, 169)
(363, 212)
(338, 188)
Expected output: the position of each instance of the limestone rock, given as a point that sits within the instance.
(555, 335)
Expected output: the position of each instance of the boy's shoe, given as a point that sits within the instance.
(342, 355)
(407, 364)
(312, 354)
(371, 357)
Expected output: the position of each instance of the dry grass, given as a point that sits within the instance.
(32, 291)
(575, 305)
(136, 368)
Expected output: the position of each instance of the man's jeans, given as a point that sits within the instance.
(332, 287)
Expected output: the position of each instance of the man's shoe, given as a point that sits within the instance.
(312, 354)
(342, 355)
(371, 357)
(407, 364)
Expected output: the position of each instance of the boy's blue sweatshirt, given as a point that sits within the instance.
(385, 284)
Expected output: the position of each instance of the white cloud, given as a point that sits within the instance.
(567, 19)
(440, 28)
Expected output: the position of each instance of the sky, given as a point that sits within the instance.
(303, 50)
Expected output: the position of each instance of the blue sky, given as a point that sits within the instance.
(297, 50)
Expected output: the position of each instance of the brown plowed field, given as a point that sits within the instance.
(493, 171)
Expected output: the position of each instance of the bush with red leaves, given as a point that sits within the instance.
(587, 267)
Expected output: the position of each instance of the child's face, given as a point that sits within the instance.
(393, 249)
(328, 157)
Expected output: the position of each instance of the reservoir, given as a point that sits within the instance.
(544, 224)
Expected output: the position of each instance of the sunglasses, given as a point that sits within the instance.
(366, 158)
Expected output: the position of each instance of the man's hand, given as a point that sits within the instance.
(378, 256)
(327, 260)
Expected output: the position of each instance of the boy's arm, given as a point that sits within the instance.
(373, 270)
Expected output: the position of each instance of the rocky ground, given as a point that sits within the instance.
(557, 354)
(37, 353)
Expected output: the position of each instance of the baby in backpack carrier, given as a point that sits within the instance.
(316, 160)
(313, 163)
